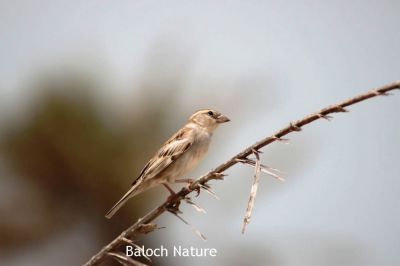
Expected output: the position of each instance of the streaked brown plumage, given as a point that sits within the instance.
(177, 156)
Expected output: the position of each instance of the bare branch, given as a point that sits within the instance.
(218, 172)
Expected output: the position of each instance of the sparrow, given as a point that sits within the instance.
(177, 156)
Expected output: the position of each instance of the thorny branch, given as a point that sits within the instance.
(144, 225)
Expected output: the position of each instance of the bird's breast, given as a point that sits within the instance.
(192, 157)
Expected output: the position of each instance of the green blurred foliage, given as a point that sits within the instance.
(74, 164)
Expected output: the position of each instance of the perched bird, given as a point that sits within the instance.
(177, 156)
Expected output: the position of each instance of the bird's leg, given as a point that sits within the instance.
(189, 182)
(185, 180)
(175, 207)
(170, 190)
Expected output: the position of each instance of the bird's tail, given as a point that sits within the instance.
(131, 192)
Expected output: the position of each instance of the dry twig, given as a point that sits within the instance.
(253, 192)
(217, 173)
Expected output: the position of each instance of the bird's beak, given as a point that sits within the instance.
(222, 119)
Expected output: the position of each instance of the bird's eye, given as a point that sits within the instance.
(210, 113)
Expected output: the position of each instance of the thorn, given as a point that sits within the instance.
(219, 176)
(197, 232)
(127, 240)
(273, 169)
(205, 185)
(174, 208)
(146, 228)
(283, 140)
(294, 127)
(196, 188)
(383, 93)
(326, 117)
(208, 189)
(341, 109)
(264, 168)
(194, 205)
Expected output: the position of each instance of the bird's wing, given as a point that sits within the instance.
(171, 150)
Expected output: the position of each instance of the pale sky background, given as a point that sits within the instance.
(264, 64)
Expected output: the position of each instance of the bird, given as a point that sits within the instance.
(177, 156)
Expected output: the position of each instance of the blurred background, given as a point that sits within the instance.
(90, 90)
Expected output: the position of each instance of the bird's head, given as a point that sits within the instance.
(208, 118)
